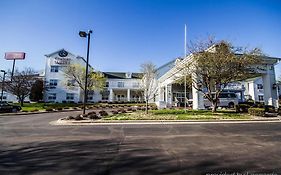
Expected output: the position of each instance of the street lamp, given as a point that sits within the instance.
(84, 34)
(3, 82)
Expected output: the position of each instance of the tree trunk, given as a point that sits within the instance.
(214, 106)
(21, 101)
(146, 107)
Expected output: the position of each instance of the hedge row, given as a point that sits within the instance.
(257, 112)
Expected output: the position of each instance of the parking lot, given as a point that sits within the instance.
(30, 145)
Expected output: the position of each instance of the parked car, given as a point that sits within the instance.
(226, 99)
(6, 107)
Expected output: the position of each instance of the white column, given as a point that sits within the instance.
(128, 95)
(197, 96)
(111, 95)
(169, 95)
(270, 93)
(166, 93)
(161, 103)
(161, 94)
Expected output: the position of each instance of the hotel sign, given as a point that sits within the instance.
(14, 55)
(59, 60)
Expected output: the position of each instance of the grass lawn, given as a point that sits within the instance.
(31, 107)
(172, 114)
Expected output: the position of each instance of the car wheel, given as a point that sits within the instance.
(231, 105)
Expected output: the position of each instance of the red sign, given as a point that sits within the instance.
(14, 55)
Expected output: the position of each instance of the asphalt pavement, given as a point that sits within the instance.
(30, 145)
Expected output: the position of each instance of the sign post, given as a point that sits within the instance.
(14, 56)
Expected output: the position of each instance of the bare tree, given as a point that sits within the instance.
(75, 75)
(21, 83)
(148, 82)
(216, 64)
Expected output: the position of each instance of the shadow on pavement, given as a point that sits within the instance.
(109, 157)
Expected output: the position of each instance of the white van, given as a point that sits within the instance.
(226, 99)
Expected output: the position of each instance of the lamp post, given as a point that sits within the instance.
(3, 83)
(84, 34)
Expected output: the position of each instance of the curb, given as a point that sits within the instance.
(38, 112)
(99, 122)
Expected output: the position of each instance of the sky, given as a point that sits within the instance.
(127, 33)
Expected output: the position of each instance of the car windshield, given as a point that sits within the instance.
(4, 103)
(225, 95)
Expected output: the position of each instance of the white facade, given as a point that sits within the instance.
(55, 79)
(261, 89)
(123, 87)
(119, 86)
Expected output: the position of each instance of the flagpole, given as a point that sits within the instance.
(185, 101)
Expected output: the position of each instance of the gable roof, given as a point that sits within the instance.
(166, 67)
(53, 53)
(79, 57)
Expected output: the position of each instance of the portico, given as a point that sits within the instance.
(170, 94)
(125, 95)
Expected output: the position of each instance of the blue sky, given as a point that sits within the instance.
(127, 33)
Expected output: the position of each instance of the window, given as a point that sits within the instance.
(90, 95)
(136, 84)
(70, 82)
(52, 96)
(260, 97)
(120, 84)
(69, 96)
(232, 95)
(105, 95)
(106, 84)
(259, 86)
(53, 83)
(222, 95)
(54, 68)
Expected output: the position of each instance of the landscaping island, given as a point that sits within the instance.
(117, 113)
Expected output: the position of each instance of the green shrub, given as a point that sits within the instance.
(34, 110)
(269, 108)
(122, 111)
(242, 107)
(92, 112)
(84, 115)
(93, 116)
(59, 109)
(103, 113)
(49, 109)
(256, 111)
(114, 112)
(24, 110)
(69, 118)
(279, 111)
(79, 117)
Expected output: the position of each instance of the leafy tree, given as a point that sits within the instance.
(148, 82)
(21, 83)
(213, 65)
(37, 88)
(75, 74)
